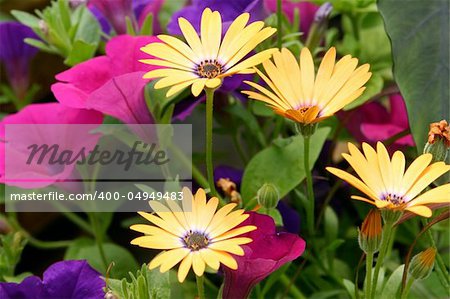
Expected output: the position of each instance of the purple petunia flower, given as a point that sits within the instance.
(114, 12)
(306, 10)
(267, 252)
(66, 279)
(229, 10)
(16, 55)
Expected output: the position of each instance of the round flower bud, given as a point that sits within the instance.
(422, 263)
(369, 237)
(438, 141)
(268, 196)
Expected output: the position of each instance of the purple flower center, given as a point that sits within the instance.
(195, 240)
(394, 199)
(209, 68)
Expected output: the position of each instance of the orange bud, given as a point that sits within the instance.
(370, 232)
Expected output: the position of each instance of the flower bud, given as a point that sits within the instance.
(268, 196)
(369, 237)
(438, 141)
(422, 263)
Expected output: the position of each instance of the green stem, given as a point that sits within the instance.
(387, 233)
(196, 173)
(48, 244)
(279, 24)
(369, 263)
(309, 187)
(209, 137)
(98, 237)
(295, 292)
(405, 291)
(200, 287)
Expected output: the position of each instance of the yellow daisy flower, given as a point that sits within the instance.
(194, 234)
(300, 95)
(205, 60)
(387, 184)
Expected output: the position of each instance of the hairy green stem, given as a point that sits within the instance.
(369, 262)
(209, 139)
(200, 287)
(309, 187)
(405, 291)
(385, 240)
(295, 292)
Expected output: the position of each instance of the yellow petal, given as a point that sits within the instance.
(385, 165)
(230, 247)
(292, 72)
(167, 226)
(220, 214)
(173, 257)
(429, 175)
(166, 63)
(158, 242)
(209, 258)
(324, 73)
(185, 265)
(252, 61)
(149, 229)
(166, 73)
(225, 258)
(166, 52)
(420, 210)
(180, 46)
(250, 46)
(178, 87)
(230, 47)
(235, 232)
(230, 221)
(307, 74)
(439, 194)
(198, 86)
(166, 214)
(207, 213)
(198, 264)
(213, 83)
(363, 199)
(235, 28)
(353, 181)
(191, 37)
(415, 170)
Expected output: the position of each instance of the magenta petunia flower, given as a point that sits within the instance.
(373, 122)
(36, 175)
(267, 252)
(114, 12)
(306, 10)
(16, 55)
(111, 84)
(66, 279)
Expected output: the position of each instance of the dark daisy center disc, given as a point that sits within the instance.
(195, 241)
(209, 69)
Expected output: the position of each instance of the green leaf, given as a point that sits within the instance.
(81, 51)
(392, 286)
(420, 46)
(85, 248)
(331, 224)
(281, 164)
(26, 18)
(274, 213)
(350, 287)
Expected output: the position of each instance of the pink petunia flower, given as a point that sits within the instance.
(111, 84)
(306, 11)
(267, 252)
(373, 122)
(48, 128)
